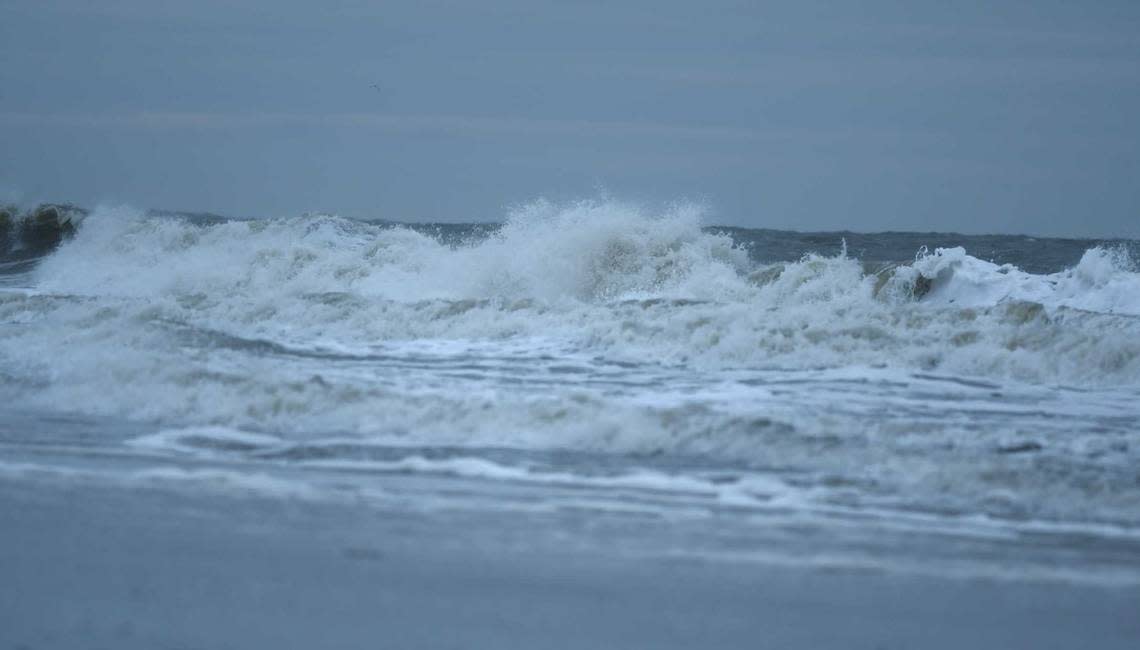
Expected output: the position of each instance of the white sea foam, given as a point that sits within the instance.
(1104, 281)
(205, 440)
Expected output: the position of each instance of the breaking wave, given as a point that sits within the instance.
(606, 279)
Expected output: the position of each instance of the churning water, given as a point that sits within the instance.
(925, 402)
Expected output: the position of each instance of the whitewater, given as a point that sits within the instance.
(631, 377)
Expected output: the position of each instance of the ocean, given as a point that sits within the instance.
(625, 382)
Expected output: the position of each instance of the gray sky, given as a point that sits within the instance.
(976, 117)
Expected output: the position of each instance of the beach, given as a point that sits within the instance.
(110, 568)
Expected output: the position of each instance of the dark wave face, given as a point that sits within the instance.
(32, 233)
(880, 387)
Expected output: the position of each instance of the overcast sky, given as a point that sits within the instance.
(966, 116)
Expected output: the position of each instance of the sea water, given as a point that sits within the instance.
(632, 379)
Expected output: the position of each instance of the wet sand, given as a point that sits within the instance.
(105, 567)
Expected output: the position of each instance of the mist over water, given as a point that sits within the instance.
(985, 386)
